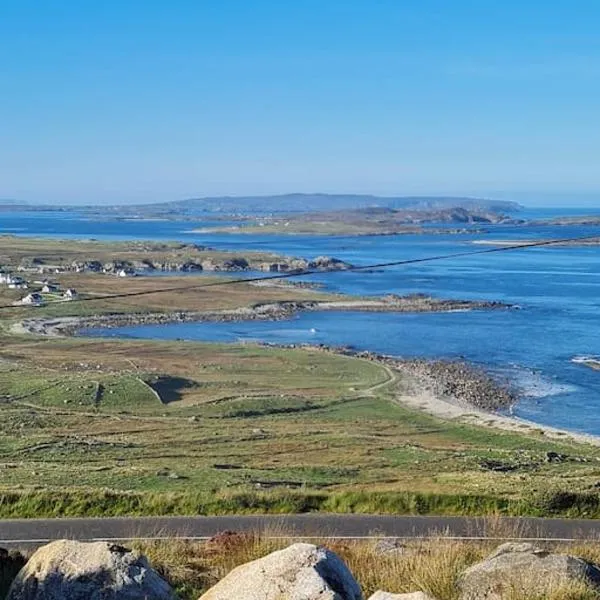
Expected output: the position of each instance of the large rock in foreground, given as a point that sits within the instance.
(300, 572)
(69, 570)
(524, 569)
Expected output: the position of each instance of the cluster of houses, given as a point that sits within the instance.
(14, 282)
(37, 298)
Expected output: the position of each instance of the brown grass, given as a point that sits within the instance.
(432, 565)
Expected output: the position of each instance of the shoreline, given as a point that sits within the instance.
(251, 230)
(432, 388)
(273, 311)
(446, 389)
(499, 243)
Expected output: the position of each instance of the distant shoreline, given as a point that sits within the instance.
(270, 311)
(530, 242)
(342, 232)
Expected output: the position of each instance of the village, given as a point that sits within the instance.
(43, 290)
(34, 275)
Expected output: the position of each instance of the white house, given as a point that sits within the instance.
(10, 279)
(15, 282)
(49, 288)
(70, 294)
(33, 299)
(125, 273)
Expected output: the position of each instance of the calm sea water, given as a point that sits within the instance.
(557, 289)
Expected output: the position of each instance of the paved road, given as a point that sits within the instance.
(34, 532)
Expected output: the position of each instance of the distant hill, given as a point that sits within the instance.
(278, 204)
(292, 203)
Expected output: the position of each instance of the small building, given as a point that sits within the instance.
(33, 299)
(70, 294)
(10, 279)
(49, 288)
(125, 273)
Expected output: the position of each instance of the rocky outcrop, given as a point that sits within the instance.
(411, 596)
(233, 264)
(300, 572)
(186, 267)
(88, 571)
(329, 263)
(320, 263)
(524, 569)
(95, 266)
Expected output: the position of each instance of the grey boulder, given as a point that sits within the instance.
(523, 569)
(300, 572)
(70, 570)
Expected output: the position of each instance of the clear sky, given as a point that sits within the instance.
(143, 100)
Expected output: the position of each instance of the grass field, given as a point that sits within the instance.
(159, 295)
(128, 427)
(170, 293)
(26, 251)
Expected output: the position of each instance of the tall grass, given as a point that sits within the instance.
(432, 565)
(97, 503)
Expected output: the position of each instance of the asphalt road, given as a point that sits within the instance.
(35, 532)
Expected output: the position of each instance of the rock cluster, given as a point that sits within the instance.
(321, 263)
(233, 265)
(70, 570)
(461, 381)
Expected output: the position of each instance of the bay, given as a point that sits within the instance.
(557, 290)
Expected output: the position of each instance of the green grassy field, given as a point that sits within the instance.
(128, 427)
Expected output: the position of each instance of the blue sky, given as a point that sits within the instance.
(143, 100)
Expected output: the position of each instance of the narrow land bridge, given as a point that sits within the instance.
(35, 532)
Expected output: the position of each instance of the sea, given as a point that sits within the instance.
(538, 346)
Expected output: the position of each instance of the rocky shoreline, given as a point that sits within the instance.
(274, 311)
(233, 264)
(465, 384)
(457, 390)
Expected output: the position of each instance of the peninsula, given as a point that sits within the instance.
(368, 221)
